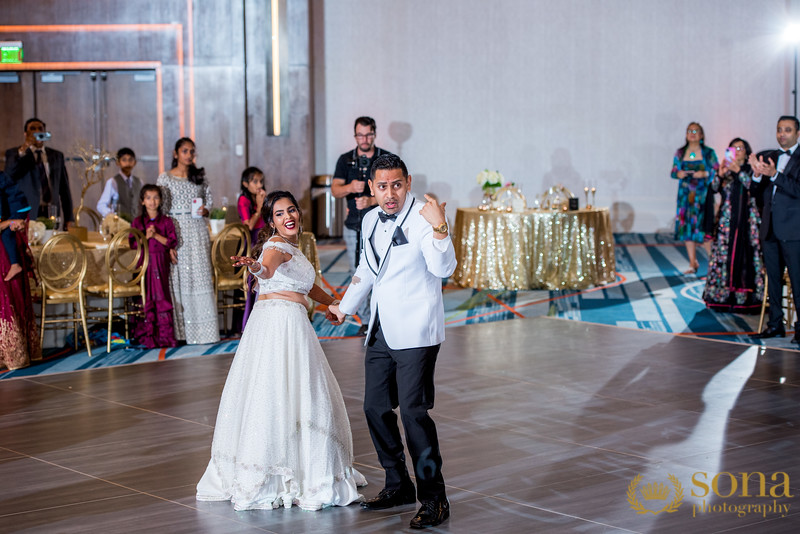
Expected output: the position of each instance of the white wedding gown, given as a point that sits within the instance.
(282, 436)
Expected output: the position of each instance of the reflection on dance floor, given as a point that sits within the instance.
(546, 425)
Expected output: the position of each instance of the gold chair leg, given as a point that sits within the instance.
(110, 315)
(75, 326)
(44, 309)
(763, 306)
(85, 328)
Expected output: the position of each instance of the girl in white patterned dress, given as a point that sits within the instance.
(282, 435)
(191, 275)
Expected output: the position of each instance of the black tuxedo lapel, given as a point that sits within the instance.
(792, 164)
(369, 251)
(398, 226)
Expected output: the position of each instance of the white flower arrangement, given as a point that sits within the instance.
(489, 179)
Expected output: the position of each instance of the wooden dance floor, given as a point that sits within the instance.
(545, 425)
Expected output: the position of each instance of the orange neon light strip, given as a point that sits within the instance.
(160, 118)
(56, 28)
(276, 71)
(82, 65)
(190, 59)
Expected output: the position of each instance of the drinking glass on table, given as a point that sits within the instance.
(55, 215)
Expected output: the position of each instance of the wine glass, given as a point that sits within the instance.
(55, 215)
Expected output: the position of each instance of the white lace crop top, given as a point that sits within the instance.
(296, 275)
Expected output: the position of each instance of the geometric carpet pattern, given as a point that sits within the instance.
(650, 293)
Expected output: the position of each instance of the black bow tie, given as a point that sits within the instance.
(787, 152)
(384, 217)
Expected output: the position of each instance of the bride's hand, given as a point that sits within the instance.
(238, 261)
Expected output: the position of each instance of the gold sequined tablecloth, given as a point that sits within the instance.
(533, 250)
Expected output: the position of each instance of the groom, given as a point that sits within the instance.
(406, 250)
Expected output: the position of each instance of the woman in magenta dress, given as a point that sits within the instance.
(19, 335)
(251, 199)
(155, 328)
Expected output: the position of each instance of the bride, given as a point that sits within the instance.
(282, 435)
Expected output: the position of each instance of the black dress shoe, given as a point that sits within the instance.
(431, 513)
(771, 332)
(389, 498)
(796, 338)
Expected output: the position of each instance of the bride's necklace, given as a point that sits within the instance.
(295, 245)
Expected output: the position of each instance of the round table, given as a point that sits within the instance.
(534, 249)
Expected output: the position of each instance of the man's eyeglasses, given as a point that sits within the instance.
(365, 136)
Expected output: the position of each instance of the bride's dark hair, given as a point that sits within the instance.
(266, 213)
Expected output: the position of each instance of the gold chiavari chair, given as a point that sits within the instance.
(85, 212)
(62, 269)
(233, 240)
(127, 259)
(788, 302)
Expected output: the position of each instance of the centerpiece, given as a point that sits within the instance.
(490, 182)
(217, 220)
(94, 160)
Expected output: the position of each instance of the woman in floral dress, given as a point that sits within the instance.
(735, 280)
(191, 276)
(695, 166)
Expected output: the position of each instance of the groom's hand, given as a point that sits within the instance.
(334, 314)
(433, 212)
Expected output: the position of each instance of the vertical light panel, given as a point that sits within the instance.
(276, 71)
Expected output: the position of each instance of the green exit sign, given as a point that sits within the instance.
(10, 51)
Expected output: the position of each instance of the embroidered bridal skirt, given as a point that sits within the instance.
(282, 436)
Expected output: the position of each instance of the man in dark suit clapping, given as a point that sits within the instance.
(780, 221)
(40, 173)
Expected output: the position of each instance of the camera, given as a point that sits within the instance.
(362, 165)
(42, 136)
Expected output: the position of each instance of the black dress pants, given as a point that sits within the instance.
(777, 255)
(403, 378)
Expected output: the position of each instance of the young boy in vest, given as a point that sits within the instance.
(122, 189)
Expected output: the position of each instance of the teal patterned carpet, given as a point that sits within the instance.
(650, 293)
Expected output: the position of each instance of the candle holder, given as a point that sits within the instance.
(594, 189)
(586, 194)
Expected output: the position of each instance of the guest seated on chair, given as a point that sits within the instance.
(13, 205)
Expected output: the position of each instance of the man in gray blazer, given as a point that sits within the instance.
(406, 250)
(40, 173)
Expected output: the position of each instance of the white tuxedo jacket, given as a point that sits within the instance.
(406, 282)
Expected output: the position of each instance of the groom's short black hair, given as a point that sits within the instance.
(387, 162)
(792, 119)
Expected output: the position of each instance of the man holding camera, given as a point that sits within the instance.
(350, 180)
(40, 173)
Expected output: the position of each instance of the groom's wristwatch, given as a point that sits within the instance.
(441, 229)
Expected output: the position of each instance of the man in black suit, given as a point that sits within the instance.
(780, 221)
(40, 173)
